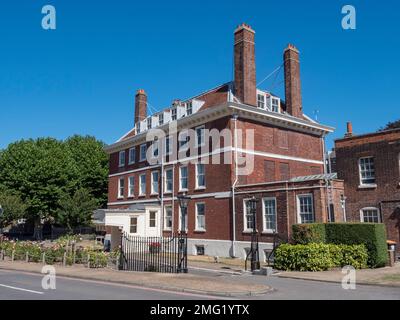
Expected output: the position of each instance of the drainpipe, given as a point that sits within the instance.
(326, 180)
(234, 118)
(162, 195)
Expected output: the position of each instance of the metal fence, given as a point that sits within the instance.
(154, 254)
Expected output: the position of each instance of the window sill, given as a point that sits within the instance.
(120, 198)
(154, 194)
(183, 190)
(200, 188)
(167, 229)
(269, 232)
(248, 231)
(131, 197)
(141, 195)
(131, 163)
(200, 230)
(368, 186)
(167, 192)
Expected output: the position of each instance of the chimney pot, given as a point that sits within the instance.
(349, 132)
(245, 65)
(140, 105)
(292, 81)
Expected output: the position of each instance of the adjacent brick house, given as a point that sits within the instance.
(283, 147)
(369, 164)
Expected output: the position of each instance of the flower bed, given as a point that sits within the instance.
(63, 251)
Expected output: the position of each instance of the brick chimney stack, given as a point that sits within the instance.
(291, 62)
(245, 65)
(349, 132)
(140, 105)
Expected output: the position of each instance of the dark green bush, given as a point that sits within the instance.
(309, 233)
(319, 256)
(372, 235)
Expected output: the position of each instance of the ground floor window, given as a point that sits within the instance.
(248, 217)
(133, 226)
(269, 214)
(200, 250)
(370, 215)
(152, 219)
(168, 218)
(305, 208)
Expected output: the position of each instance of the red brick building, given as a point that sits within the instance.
(369, 164)
(282, 149)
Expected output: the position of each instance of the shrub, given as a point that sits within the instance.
(309, 233)
(372, 235)
(319, 256)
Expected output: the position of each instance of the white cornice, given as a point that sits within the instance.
(226, 109)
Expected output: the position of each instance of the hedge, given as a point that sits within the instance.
(319, 256)
(372, 235)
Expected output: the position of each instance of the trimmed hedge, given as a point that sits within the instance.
(309, 233)
(319, 256)
(372, 235)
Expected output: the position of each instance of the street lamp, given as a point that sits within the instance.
(183, 204)
(255, 260)
(1, 216)
(182, 238)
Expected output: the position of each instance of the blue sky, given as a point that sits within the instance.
(81, 78)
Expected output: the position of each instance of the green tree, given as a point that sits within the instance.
(91, 166)
(43, 171)
(391, 125)
(13, 207)
(76, 210)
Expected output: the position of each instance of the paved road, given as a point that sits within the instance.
(19, 285)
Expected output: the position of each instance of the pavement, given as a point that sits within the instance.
(387, 276)
(189, 283)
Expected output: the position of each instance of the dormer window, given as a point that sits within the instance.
(148, 123)
(274, 104)
(189, 108)
(173, 114)
(161, 119)
(261, 101)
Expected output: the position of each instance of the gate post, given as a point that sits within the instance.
(121, 251)
(182, 253)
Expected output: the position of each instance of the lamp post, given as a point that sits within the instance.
(183, 204)
(343, 204)
(255, 260)
(182, 237)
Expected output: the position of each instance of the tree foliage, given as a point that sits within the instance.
(44, 171)
(76, 210)
(13, 207)
(391, 125)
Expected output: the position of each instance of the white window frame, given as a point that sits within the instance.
(245, 221)
(174, 113)
(166, 208)
(203, 140)
(121, 187)
(131, 186)
(149, 123)
(155, 219)
(155, 146)
(136, 225)
(259, 101)
(121, 159)
(186, 220)
(153, 182)
(278, 105)
(142, 155)
(132, 161)
(185, 146)
(166, 190)
(197, 227)
(160, 119)
(370, 209)
(197, 175)
(180, 178)
(168, 143)
(265, 229)
(360, 172)
(141, 191)
(189, 106)
(299, 220)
